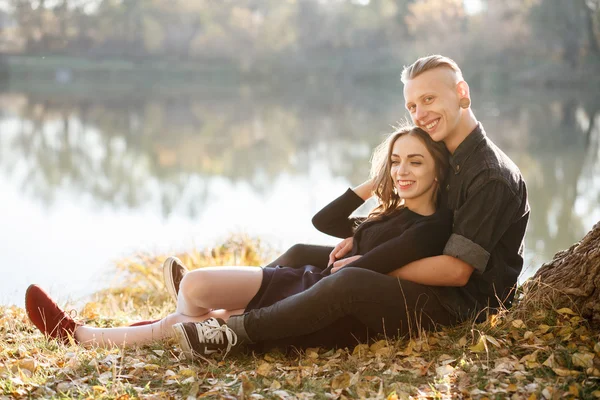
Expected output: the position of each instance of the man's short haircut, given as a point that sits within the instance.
(427, 63)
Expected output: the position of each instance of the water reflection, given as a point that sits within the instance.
(163, 150)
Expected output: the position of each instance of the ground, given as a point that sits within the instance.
(536, 353)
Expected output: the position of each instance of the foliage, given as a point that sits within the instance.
(254, 33)
(531, 354)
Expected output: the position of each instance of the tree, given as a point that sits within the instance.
(571, 279)
(567, 27)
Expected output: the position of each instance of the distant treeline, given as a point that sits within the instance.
(345, 35)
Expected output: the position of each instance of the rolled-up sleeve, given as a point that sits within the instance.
(481, 221)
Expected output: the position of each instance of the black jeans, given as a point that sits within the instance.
(366, 302)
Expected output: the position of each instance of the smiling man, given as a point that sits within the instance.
(485, 190)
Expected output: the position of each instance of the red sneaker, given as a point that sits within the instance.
(47, 316)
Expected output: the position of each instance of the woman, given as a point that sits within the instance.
(407, 172)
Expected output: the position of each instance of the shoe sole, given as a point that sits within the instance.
(184, 341)
(168, 276)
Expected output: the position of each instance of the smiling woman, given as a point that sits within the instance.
(413, 171)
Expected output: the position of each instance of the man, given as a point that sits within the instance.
(481, 260)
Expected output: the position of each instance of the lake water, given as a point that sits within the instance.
(92, 175)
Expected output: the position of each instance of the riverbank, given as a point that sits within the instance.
(349, 70)
(523, 354)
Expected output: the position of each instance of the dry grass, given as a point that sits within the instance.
(533, 353)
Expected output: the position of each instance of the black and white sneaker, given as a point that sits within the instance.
(173, 272)
(205, 338)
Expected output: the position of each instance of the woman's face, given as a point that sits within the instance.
(412, 170)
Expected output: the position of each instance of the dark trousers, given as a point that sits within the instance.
(348, 306)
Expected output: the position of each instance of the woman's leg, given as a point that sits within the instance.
(217, 288)
(204, 293)
(300, 255)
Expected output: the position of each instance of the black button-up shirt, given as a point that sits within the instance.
(487, 194)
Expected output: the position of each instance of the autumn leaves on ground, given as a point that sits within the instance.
(537, 353)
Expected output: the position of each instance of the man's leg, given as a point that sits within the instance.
(382, 303)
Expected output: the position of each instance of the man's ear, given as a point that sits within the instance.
(462, 89)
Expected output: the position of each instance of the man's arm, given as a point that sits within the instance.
(436, 271)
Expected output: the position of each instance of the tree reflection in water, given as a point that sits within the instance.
(130, 151)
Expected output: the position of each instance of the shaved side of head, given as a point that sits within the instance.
(428, 63)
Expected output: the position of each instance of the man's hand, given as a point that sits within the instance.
(341, 250)
(342, 263)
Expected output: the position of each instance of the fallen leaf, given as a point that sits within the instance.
(64, 387)
(481, 345)
(294, 380)
(543, 328)
(312, 353)
(444, 370)
(550, 362)
(378, 345)
(566, 311)
(384, 351)
(28, 364)
(583, 360)
(264, 369)
(564, 372)
(105, 377)
(360, 350)
(574, 390)
(518, 323)
(247, 386)
(282, 394)
(492, 340)
(210, 393)
(275, 385)
(187, 372)
(341, 381)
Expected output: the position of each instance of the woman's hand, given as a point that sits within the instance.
(342, 263)
(341, 250)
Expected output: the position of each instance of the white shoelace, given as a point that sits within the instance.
(210, 331)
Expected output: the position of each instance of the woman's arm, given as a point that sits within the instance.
(364, 190)
(423, 239)
(334, 219)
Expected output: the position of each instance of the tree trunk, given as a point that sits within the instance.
(571, 279)
(588, 15)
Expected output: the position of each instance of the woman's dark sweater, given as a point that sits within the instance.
(387, 243)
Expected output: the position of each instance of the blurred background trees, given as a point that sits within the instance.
(358, 35)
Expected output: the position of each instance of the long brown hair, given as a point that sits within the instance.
(384, 188)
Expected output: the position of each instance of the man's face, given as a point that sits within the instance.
(433, 102)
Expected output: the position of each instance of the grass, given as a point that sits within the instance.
(534, 353)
